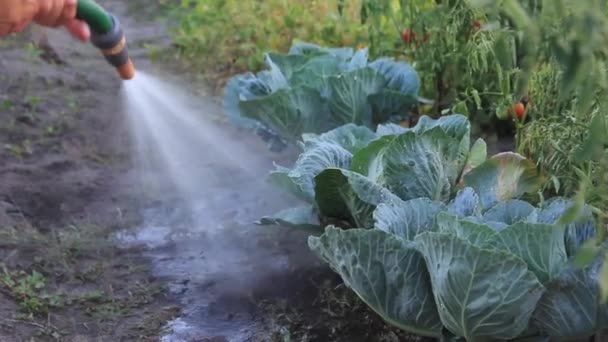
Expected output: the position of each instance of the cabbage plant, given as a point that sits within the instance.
(457, 270)
(344, 174)
(312, 89)
(436, 238)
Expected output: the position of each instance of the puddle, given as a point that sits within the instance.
(217, 262)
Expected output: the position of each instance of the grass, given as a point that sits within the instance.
(76, 274)
(29, 289)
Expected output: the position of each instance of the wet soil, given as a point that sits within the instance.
(66, 183)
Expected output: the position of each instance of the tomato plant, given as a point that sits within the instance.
(456, 58)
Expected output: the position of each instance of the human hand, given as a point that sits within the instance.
(15, 15)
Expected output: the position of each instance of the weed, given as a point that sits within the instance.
(73, 270)
(106, 312)
(34, 53)
(72, 101)
(20, 151)
(58, 251)
(29, 290)
(56, 128)
(6, 104)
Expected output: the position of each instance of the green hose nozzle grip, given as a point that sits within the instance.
(107, 35)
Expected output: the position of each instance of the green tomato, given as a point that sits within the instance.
(502, 113)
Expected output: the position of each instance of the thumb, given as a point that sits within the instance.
(79, 29)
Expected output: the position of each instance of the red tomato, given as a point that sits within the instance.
(408, 35)
(477, 24)
(520, 110)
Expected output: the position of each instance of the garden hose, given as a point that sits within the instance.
(107, 35)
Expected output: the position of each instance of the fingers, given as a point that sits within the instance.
(69, 11)
(55, 13)
(44, 11)
(79, 29)
(5, 29)
(16, 17)
(20, 26)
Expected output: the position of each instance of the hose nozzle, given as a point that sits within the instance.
(113, 46)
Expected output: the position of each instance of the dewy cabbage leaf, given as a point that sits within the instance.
(386, 272)
(350, 137)
(313, 89)
(408, 219)
(413, 165)
(479, 282)
(482, 293)
(348, 196)
(466, 203)
(577, 232)
(297, 109)
(503, 176)
(571, 308)
(346, 172)
(300, 179)
(434, 238)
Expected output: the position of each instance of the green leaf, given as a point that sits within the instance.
(390, 129)
(541, 246)
(358, 61)
(504, 176)
(407, 219)
(368, 160)
(456, 126)
(289, 112)
(569, 307)
(313, 161)
(603, 281)
(466, 203)
(239, 88)
(348, 196)
(399, 76)
(511, 211)
(349, 93)
(280, 178)
(273, 77)
(586, 253)
(579, 228)
(481, 294)
(306, 48)
(413, 165)
(477, 156)
(288, 64)
(350, 136)
(316, 72)
(299, 181)
(592, 147)
(386, 272)
(388, 103)
(478, 234)
(305, 218)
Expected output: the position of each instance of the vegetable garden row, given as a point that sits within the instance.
(400, 196)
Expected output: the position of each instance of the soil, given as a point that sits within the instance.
(85, 255)
(65, 186)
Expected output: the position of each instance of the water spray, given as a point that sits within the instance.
(107, 35)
